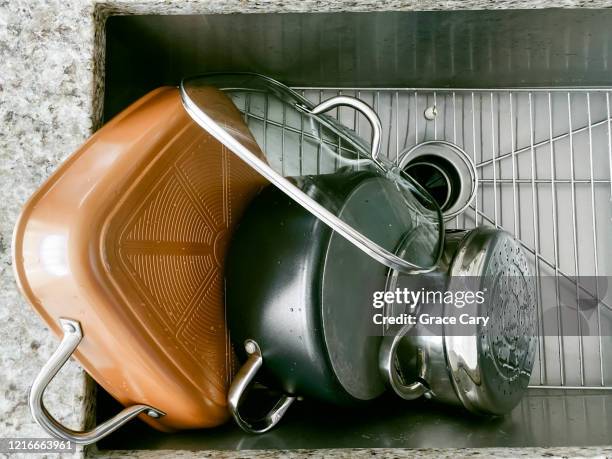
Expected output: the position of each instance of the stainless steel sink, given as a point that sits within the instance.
(525, 93)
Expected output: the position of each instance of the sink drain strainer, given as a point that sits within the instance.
(446, 171)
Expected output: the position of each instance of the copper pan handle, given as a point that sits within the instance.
(71, 339)
(239, 386)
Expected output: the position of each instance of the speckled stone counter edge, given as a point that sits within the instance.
(52, 68)
(367, 453)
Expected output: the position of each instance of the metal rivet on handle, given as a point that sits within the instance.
(250, 347)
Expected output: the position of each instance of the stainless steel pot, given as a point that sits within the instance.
(484, 368)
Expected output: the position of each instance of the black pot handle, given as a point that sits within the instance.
(239, 386)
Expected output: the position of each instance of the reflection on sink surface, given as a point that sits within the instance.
(545, 418)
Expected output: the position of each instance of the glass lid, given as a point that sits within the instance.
(320, 163)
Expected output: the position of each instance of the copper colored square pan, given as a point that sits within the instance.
(128, 237)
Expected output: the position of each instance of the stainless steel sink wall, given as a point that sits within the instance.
(475, 49)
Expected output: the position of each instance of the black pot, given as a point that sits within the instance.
(299, 295)
(308, 256)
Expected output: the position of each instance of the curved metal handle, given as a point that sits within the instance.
(389, 370)
(240, 384)
(362, 107)
(71, 339)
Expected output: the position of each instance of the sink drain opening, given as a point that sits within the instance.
(439, 177)
(445, 171)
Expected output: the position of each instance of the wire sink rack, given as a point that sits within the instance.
(544, 158)
(544, 162)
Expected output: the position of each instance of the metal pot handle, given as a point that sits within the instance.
(240, 384)
(362, 107)
(387, 360)
(71, 339)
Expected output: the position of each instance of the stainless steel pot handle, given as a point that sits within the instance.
(239, 386)
(362, 107)
(387, 360)
(71, 339)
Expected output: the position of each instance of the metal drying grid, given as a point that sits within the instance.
(544, 159)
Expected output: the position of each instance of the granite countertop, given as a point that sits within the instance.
(51, 84)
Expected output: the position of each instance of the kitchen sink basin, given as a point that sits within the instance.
(526, 95)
